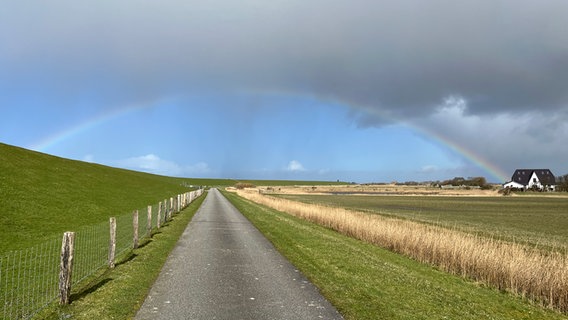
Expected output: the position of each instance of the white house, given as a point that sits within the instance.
(541, 179)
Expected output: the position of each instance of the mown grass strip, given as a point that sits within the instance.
(119, 293)
(367, 282)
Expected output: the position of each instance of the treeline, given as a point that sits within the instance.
(469, 182)
(243, 185)
(562, 183)
(477, 182)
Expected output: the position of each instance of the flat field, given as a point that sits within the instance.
(535, 220)
(366, 281)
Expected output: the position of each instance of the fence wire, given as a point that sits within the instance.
(29, 278)
(91, 250)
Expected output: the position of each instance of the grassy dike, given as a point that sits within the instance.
(364, 281)
(42, 196)
(119, 293)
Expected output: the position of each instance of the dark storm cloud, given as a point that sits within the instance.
(401, 57)
(488, 75)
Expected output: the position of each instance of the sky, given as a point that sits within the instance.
(362, 91)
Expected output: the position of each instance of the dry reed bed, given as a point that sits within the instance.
(542, 277)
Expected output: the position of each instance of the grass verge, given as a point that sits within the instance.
(365, 281)
(119, 293)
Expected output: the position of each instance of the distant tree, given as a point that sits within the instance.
(478, 181)
(469, 182)
(456, 181)
(562, 183)
(243, 185)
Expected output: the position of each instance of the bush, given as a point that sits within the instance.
(562, 183)
(242, 185)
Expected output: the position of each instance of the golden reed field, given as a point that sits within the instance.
(386, 189)
(538, 275)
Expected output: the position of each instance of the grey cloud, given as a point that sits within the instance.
(510, 141)
(397, 59)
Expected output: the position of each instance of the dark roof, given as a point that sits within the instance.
(523, 176)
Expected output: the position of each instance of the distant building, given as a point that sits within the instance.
(524, 179)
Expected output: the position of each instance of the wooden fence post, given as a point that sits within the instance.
(166, 210)
(149, 222)
(112, 243)
(66, 267)
(159, 217)
(135, 229)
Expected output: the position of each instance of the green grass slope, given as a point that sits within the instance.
(42, 196)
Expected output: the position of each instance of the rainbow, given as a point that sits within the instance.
(494, 171)
(496, 174)
(46, 143)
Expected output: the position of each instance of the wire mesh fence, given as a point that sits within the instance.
(29, 279)
(91, 249)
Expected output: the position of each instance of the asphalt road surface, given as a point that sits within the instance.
(224, 268)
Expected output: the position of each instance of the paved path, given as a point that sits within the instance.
(224, 268)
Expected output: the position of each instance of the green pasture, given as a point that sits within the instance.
(535, 220)
(364, 281)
